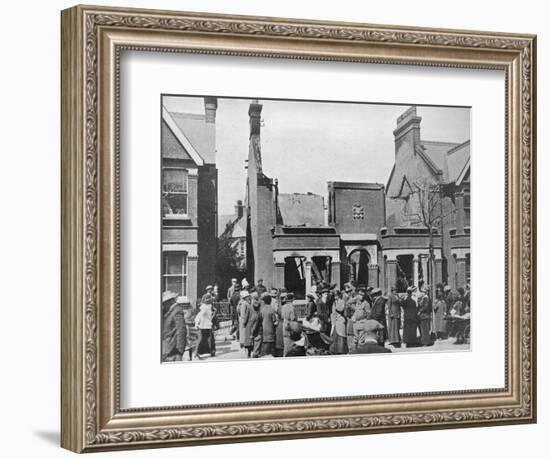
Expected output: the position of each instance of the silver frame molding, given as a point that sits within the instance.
(92, 39)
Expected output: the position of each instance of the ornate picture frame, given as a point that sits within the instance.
(92, 40)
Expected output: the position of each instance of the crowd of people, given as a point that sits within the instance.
(351, 320)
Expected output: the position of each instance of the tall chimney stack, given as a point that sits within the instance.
(239, 209)
(254, 153)
(210, 107)
(408, 129)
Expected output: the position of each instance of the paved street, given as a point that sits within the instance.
(227, 349)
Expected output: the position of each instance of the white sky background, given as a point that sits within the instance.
(306, 144)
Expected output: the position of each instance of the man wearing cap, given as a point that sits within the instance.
(269, 325)
(297, 340)
(378, 311)
(203, 321)
(207, 294)
(233, 305)
(174, 332)
(260, 286)
(425, 316)
(243, 310)
(231, 289)
(362, 307)
(394, 315)
(410, 319)
(369, 338)
(277, 300)
(288, 316)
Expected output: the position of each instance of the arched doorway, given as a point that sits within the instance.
(358, 263)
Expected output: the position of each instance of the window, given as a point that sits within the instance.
(174, 272)
(467, 209)
(174, 191)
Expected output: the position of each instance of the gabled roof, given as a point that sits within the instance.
(449, 160)
(199, 133)
(458, 162)
(171, 146)
(182, 138)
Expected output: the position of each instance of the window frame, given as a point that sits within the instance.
(186, 193)
(184, 275)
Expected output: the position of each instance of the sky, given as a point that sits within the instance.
(305, 144)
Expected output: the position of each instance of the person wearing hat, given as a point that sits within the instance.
(207, 294)
(174, 332)
(233, 306)
(339, 335)
(369, 338)
(363, 307)
(203, 321)
(378, 311)
(269, 322)
(439, 308)
(410, 319)
(260, 287)
(424, 316)
(394, 317)
(288, 316)
(297, 340)
(243, 311)
(253, 327)
(231, 289)
(277, 298)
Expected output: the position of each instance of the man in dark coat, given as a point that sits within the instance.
(233, 304)
(410, 319)
(394, 315)
(269, 324)
(378, 311)
(260, 286)
(174, 331)
(425, 316)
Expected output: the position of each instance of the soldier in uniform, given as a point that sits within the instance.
(378, 311)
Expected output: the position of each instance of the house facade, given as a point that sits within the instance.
(414, 229)
(189, 200)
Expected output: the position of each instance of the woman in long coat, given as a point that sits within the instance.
(394, 315)
(410, 319)
(339, 345)
(440, 307)
(243, 309)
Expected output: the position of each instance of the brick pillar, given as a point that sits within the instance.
(459, 205)
(279, 277)
(192, 280)
(391, 272)
(460, 272)
(335, 273)
(373, 275)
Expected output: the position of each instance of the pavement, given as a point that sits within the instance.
(229, 349)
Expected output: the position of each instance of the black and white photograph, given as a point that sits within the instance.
(310, 228)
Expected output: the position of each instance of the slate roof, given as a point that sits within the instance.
(447, 159)
(199, 133)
